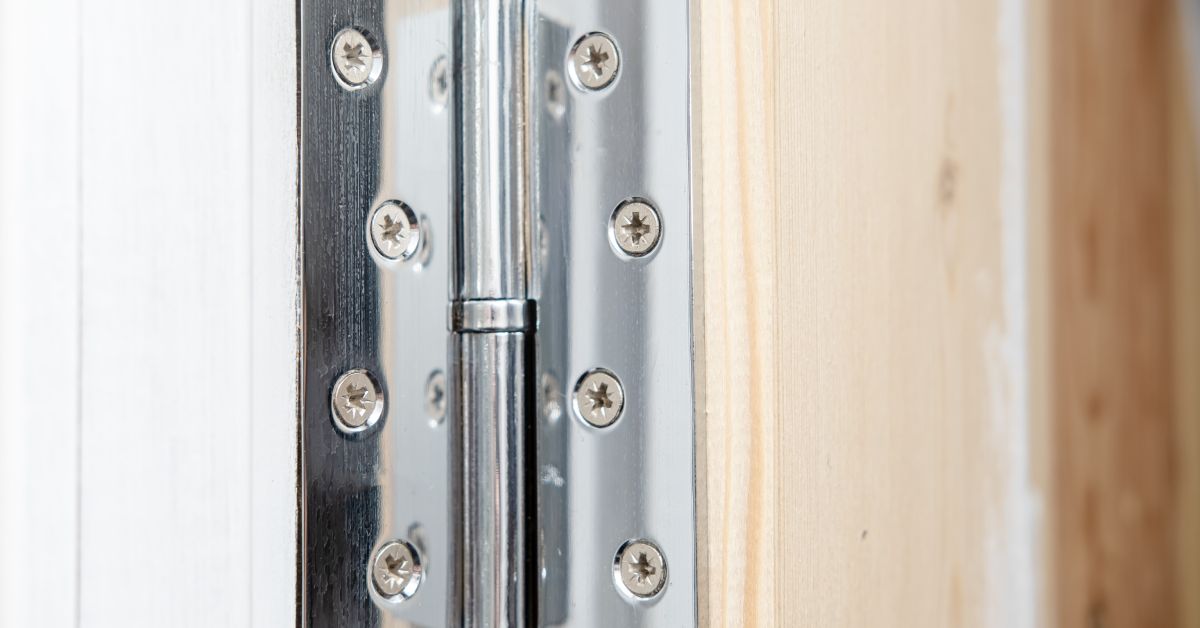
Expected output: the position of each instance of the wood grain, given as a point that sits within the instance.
(1116, 469)
(949, 314)
(867, 314)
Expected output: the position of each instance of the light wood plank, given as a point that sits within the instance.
(867, 314)
(39, 314)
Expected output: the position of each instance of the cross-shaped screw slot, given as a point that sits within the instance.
(354, 58)
(395, 231)
(640, 569)
(636, 227)
(595, 58)
(356, 401)
(396, 570)
(599, 398)
(594, 61)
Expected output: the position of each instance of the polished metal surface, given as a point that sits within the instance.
(594, 61)
(440, 82)
(492, 315)
(491, 148)
(601, 307)
(361, 310)
(636, 227)
(356, 401)
(496, 538)
(395, 231)
(396, 570)
(512, 509)
(435, 397)
(355, 59)
(639, 569)
(598, 398)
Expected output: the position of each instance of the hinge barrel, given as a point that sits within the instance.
(491, 151)
(491, 345)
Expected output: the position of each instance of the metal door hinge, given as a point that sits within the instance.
(498, 426)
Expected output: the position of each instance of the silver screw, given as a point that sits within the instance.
(356, 61)
(396, 570)
(599, 398)
(439, 83)
(595, 61)
(395, 231)
(639, 569)
(356, 401)
(636, 227)
(435, 396)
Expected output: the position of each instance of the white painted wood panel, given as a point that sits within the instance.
(148, 298)
(39, 315)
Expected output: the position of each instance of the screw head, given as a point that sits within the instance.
(594, 61)
(636, 227)
(599, 398)
(439, 83)
(356, 60)
(639, 569)
(435, 396)
(356, 401)
(395, 231)
(396, 570)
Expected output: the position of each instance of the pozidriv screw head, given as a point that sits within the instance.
(396, 571)
(599, 398)
(636, 227)
(356, 401)
(356, 60)
(395, 231)
(595, 61)
(639, 569)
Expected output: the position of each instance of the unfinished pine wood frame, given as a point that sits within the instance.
(949, 313)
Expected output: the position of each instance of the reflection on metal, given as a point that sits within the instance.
(360, 149)
(524, 454)
(602, 306)
(493, 337)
